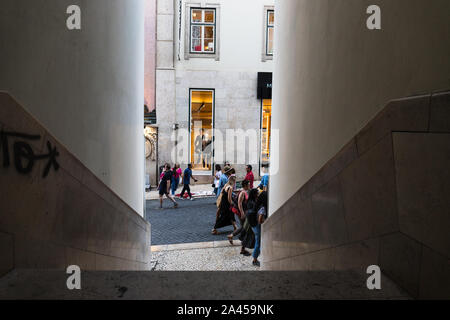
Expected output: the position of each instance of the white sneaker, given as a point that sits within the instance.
(192, 199)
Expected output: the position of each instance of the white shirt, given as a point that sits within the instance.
(217, 178)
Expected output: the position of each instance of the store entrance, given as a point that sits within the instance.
(201, 129)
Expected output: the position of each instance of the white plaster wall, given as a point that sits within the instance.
(86, 87)
(241, 37)
(332, 75)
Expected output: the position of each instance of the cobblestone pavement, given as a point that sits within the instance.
(223, 258)
(192, 221)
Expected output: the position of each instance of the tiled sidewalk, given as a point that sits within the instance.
(200, 190)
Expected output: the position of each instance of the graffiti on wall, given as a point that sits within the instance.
(24, 156)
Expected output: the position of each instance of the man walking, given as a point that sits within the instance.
(164, 186)
(249, 177)
(187, 175)
(264, 185)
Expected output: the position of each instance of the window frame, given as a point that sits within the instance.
(213, 91)
(265, 54)
(261, 125)
(188, 52)
(202, 24)
(268, 28)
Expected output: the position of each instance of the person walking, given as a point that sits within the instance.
(176, 173)
(249, 176)
(224, 215)
(217, 176)
(264, 185)
(187, 175)
(227, 171)
(256, 219)
(164, 186)
(247, 240)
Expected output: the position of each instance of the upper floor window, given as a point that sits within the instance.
(269, 33)
(269, 25)
(203, 30)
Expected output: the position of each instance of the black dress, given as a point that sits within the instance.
(226, 216)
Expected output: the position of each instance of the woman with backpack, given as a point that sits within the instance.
(224, 216)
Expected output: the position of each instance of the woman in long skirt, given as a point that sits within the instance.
(224, 216)
(247, 236)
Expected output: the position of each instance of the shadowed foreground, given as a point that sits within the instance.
(33, 284)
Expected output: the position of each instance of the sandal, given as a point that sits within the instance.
(230, 238)
(245, 253)
(214, 232)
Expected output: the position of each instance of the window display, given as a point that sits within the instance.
(201, 129)
(266, 117)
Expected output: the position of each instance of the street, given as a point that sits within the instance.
(191, 222)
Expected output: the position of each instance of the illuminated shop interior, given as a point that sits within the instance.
(266, 117)
(201, 117)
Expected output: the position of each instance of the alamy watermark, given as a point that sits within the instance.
(374, 20)
(74, 280)
(73, 22)
(374, 280)
(235, 146)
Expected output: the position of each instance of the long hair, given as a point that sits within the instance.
(262, 200)
(253, 195)
(231, 182)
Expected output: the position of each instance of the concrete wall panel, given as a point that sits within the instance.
(67, 217)
(385, 204)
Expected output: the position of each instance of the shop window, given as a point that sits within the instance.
(266, 118)
(201, 128)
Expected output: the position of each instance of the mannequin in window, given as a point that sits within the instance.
(207, 152)
(198, 147)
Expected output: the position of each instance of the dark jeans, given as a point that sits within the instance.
(174, 185)
(186, 188)
(257, 232)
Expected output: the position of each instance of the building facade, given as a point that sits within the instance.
(209, 58)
